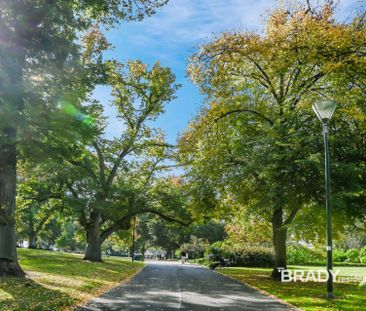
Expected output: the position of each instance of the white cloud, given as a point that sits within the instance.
(187, 23)
(173, 32)
(195, 20)
(192, 20)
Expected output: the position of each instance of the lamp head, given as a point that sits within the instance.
(324, 110)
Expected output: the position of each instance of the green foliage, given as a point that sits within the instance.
(202, 261)
(110, 181)
(210, 232)
(254, 145)
(240, 256)
(59, 281)
(339, 255)
(195, 248)
(214, 264)
(363, 252)
(307, 296)
(158, 233)
(363, 255)
(353, 255)
(69, 239)
(298, 254)
(49, 68)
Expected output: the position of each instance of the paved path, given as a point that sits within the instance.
(173, 286)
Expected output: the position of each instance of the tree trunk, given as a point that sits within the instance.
(279, 243)
(93, 250)
(9, 265)
(32, 241)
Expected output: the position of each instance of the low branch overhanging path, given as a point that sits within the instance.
(165, 286)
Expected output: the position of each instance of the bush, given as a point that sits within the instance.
(353, 255)
(201, 261)
(195, 248)
(363, 252)
(339, 255)
(297, 254)
(240, 256)
(363, 255)
(214, 264)
(363, 285)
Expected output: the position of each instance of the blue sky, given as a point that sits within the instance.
(171, 36)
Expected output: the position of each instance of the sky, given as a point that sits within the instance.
(171, 36)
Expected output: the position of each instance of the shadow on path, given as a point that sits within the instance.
(172, 286)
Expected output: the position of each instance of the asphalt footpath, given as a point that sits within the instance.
(166, 286)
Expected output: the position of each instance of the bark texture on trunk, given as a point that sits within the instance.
(8, 255)
(32, 241)
(93, 250)
(279, 243)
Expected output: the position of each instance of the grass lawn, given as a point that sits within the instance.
(307, 296)
(59, 281)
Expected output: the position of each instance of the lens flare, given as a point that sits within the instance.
(72, 111)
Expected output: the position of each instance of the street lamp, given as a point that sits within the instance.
(324, 111)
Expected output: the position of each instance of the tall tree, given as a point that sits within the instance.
(39, 198)
(102, 191)
(253, 138)
(35, 37)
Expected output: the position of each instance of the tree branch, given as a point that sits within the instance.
(244, 110)
(124, 222)
(101, 163)
(291, 217)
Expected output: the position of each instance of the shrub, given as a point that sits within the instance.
(243, 256)
(202, 261)
(363, 284)
(339, 255)
(297, 254)
(353, 255)
(195, 248)
(363, 252)
(318, 255)
(214, 264)
(363, 255)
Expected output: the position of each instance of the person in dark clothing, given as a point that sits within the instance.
(184, 257)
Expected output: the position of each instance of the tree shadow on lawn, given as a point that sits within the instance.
(310, 295)
(26, 294)
(65, 265)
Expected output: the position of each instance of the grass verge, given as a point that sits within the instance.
(60, 281)
(306, 296)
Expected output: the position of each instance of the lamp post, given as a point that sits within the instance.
(324, 111)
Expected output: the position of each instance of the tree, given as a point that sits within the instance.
(39, 40)
(102, 192)
(158, 233)
(70, 237)
(39, 198)
(253, 138)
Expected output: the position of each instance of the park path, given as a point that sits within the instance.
(165, 286)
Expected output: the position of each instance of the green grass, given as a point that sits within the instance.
(307, 296)
(60, 281)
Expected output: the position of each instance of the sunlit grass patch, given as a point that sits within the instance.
(59, 281)
(308, 296)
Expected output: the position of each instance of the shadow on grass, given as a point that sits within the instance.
(308, 296)
(58, 280)
(26, 294)
(70, 265)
